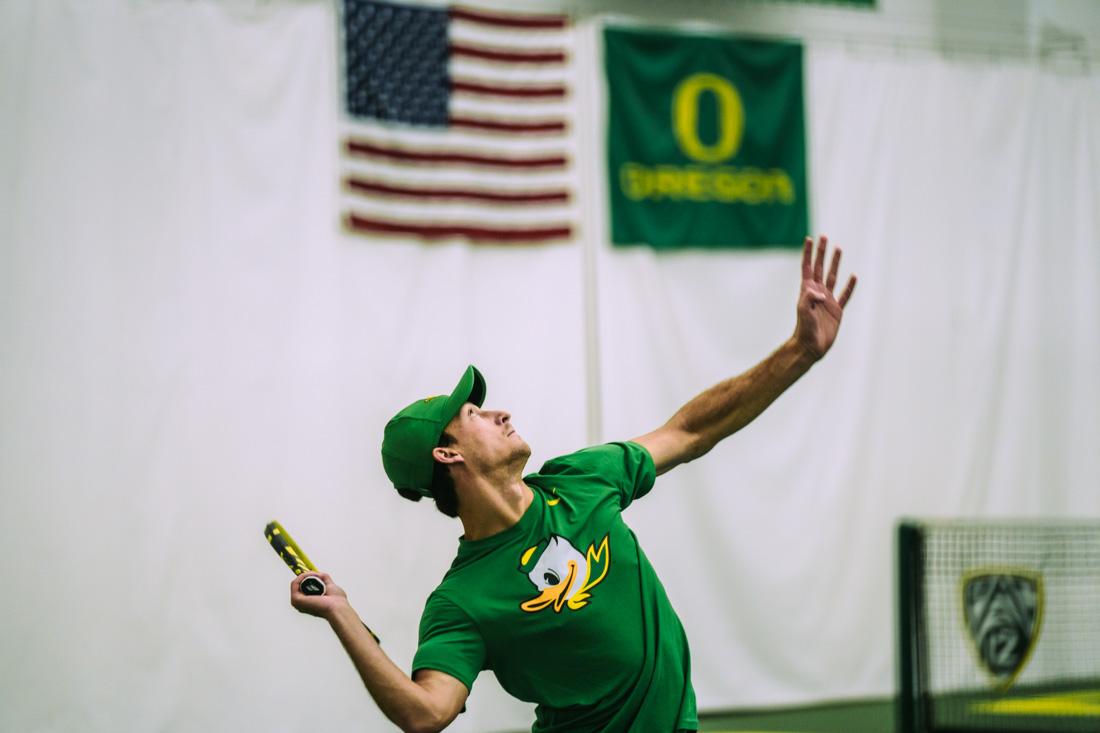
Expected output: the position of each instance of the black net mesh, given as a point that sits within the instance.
(1011, 625)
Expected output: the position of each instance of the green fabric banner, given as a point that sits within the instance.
(706, 141)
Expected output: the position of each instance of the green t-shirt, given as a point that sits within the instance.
(565, 608)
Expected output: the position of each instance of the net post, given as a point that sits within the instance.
(909, 709)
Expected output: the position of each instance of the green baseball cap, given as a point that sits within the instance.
(412, 434)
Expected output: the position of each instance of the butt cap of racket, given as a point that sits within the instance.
(312, 586)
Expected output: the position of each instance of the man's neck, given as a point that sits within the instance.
(489, 507)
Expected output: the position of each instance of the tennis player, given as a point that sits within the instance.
(550, 588)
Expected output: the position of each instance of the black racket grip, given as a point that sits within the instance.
(312, 586)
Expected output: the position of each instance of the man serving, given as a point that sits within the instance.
(550, 589)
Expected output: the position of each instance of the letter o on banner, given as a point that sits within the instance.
(685, 117)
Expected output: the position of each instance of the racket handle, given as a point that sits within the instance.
(312, 586)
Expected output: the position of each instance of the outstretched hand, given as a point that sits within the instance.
(819, 312)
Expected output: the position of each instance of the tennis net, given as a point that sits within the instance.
(999, 626)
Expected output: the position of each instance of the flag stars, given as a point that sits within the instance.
(397, 63)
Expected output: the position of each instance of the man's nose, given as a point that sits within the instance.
(502, 417)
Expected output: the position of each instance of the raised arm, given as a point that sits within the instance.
(427, 704)
(729, 406)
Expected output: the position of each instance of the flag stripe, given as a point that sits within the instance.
(516, 39)
(366, 186)
(471, 86)
(524, 235)
(507, 55)
(513, 109)
(457, 211)
(453, 157)
(472, 178)
(511, 126)
(539, 22)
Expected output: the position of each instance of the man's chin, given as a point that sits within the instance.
(522, 450)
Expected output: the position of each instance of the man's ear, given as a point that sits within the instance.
(447, 455)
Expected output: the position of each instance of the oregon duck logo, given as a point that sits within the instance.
(1003, 609)
(562, 575)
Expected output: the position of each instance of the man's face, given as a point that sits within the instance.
(486, 439)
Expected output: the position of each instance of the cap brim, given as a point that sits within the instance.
(471, 388)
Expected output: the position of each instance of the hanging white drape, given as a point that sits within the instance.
(192, 347)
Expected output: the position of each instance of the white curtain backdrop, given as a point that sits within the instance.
(190, 346)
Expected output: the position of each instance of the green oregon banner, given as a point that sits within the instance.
(706, 141)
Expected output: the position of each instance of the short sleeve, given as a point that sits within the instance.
(626, 466)
(449, 642)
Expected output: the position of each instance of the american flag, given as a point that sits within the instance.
(457, 124)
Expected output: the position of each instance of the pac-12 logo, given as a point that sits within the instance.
(1003, 609)
(563, 576)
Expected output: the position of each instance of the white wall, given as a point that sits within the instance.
(191, 347)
